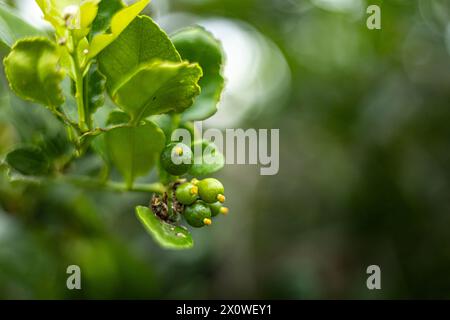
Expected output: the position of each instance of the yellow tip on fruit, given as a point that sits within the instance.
(207, 221)
(194, 190)
(221, 198)
(195, 181)
(179, 151)
(224, 211)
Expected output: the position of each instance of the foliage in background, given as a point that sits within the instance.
(364, 174)
(106, 47)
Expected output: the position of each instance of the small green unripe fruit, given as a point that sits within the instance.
(176, 158)
(217, 208)
(187, 193)
(198, 214)
(211, 190)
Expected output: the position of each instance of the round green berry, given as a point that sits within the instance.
(211, 190)
(198, 214)
(217, 208)
(187, 193)
(176, 158)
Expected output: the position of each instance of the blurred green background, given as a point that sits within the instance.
(364, 119)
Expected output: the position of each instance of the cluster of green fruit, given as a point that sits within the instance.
(203, 200)
(198, 201)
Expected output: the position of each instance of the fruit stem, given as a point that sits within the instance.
(87, 182)
(79, 85)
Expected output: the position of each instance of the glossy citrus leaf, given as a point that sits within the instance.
(33, 73)
(165, 234)
(118, 24)
(95, 89)
(118, 118)
(52, 11)
(198, 45)
(106, 10)
(158, 88)
(99, 146)
(142, 42)
(134, 150)
(28, 161)
(87, 13)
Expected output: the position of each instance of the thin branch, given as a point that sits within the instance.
(97, 131)
(90, 183)
(79, 85)
(62, 117)
(115, 186)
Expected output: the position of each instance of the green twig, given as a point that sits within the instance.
(115, 186)
(86, 182)
(63, 118)
(97, 131)
(79, 85)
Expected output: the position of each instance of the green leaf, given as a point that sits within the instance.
(57, 5)
(119, 22)
(165, 122)
(94, 87)
(208, 161)
(118, 118)
(198, 45)
(134, 150)
(98, 144)
(142, 42)
(138, 79)
(86, 16)
(52, 11)
(166, 235)
(29, 161)
(88, 13)
(81, 12)
(106, 10)
(55, 144)
(33, 73)
(13, 28)
(158, 88)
